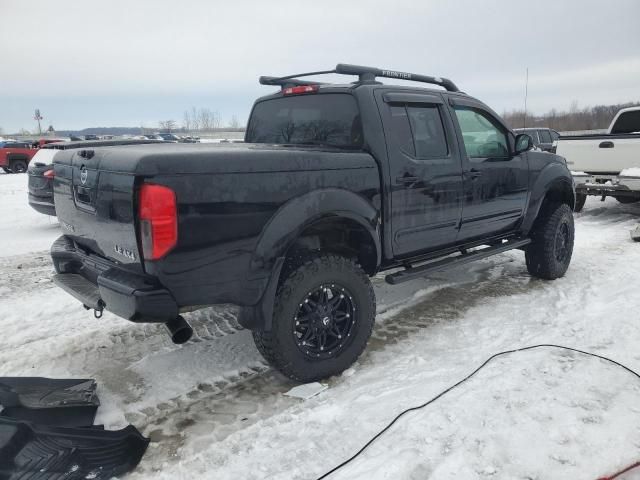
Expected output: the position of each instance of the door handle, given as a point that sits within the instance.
(606, 144)
(473, 173)
(407, 179)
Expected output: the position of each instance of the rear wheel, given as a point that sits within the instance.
(323, 316)
(18, 166)
(581, 198)
(549, 254)
(627, 199)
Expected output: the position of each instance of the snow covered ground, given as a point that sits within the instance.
(214, 410)
(22, 229)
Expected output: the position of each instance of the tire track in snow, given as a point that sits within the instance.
(253, 396)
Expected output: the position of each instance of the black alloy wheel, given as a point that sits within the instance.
(324, 321)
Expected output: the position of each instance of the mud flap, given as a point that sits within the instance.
(47, 431)
(635, 234)
(60, 403)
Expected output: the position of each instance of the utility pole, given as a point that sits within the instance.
(38, 117)
(526, 92)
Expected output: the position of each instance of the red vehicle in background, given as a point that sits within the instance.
(15, 156)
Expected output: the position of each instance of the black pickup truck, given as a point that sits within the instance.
(335, 183)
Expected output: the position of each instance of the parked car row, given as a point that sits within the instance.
(15, 156)
(173, 138)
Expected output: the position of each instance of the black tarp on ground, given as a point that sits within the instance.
(47, 433)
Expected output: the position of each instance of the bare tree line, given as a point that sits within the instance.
(587, 118)
(198, 120)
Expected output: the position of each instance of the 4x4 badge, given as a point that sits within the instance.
(124, 252)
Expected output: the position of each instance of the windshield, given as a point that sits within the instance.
(329, 119)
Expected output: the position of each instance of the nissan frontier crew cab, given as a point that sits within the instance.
(335, 183)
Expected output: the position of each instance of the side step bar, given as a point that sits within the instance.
(411, 273)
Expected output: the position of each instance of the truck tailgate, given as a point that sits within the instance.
(96, 208)
(600, 154)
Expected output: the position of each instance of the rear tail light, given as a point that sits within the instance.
(158, 220)
(49, 173)
(300, 89)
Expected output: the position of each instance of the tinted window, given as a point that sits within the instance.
(17, 145)
(554, 135)
(428, 132)
(317, 119)
(533, 134)
(483, 137)
(628, 122)
(545, 136)
(418, 131)
(401, 129)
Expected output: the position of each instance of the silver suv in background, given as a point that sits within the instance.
(543, 138)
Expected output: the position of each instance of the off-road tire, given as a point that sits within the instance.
(18, 166)
(6, 170)
(626, 200)
(581, 198)
(301, 275)
(546, 256)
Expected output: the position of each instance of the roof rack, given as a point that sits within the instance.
(365, 75)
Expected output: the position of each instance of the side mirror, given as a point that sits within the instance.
(523, 143)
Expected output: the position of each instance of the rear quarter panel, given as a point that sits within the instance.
(222, 217)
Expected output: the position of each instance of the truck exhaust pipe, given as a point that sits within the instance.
(179, 330)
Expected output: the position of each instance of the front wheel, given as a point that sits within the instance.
(549, 254)
(323, 317)
(18, 166)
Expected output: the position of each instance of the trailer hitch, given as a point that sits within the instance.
(97, 312)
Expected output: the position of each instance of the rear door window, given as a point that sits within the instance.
(401, 130)
(418, 131)
(428, 132)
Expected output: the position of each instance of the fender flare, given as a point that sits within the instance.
(297, 214)
(286, 225)
(552, 176)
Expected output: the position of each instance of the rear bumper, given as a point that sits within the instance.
(99, 284)
(606, 184)
(42, 205)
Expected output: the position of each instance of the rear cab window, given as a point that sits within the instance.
(326, 119)
(627, 122)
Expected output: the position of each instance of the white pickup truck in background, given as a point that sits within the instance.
(607, 164)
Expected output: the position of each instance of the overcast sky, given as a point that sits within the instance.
(135, 62)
